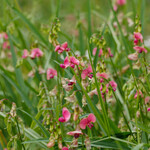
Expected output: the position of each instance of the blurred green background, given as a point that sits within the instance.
(43, 11)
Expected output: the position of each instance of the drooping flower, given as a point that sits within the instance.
(66, 115)
(51, 143)
(70, 61)
(113, 85)
(6, 45)
(121, 2)
(87, 72)
(138, 93)
(61, 48)
(147, 99)
(109, 53)
(65, 148)
(133, 56)
(76, 133)
(51, 73)
(25, 53)
(102, 76)
(87, 121)
(36, 52)
(138, 37)
(140, 49)
(95, 50)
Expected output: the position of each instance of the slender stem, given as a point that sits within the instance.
(19, 133)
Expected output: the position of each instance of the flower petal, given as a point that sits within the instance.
(66, 114)
(83, 123)
(91, 118)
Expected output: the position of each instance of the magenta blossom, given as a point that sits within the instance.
(138, 37)
(76, 133)
(87, 72)
(113, 85)
(51, 73)
(148, 109)
(121, 2)
(140, 49)
(36, 52)
(102, 76)
(87, 121)
(6, 45)
(66, 115)
(25, 53)
(65, 148)
(63, 47)
(138, 92)
(100, 52)
(70, 61)
(109, 52)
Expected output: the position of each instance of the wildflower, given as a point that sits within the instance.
(133, 56)
(100, 52)
(87, 143)
(138, 93)
(63, 47)
(68, 84)
(140, 49)
(87, 121)
(66, 115)
(65, 148)
(51, 73)
(6, 45)
(113, 85)
(5, 35)
(148, 109)
(121, 2)
(51, 143)
(138, 37)
(72, 61)
(102, 76)
(36, 52)
(147, 99)
(109, 52)
(25, 53)
(76, 133)
(87, 72)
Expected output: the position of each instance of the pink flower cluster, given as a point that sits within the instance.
(36, 52)
(6, 44)
(61, 48)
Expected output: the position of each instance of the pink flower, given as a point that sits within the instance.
(76, 133)
(65, 148)
(36, 52)
(51, 143)
(72, 61)
(138, 92)
(101, 76)
(63, 47)
(109, 52)
(147, 99)
(148, 109)
(113, 85)
(5, 36)
(133, 56)
(87, 72)
(115, 7)
(87, 121)
(51, 73)
(100, 52)
(138, 37)
(66, 115)
(121, 2)
(140, 49)
(6, 45)
(25, 53)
